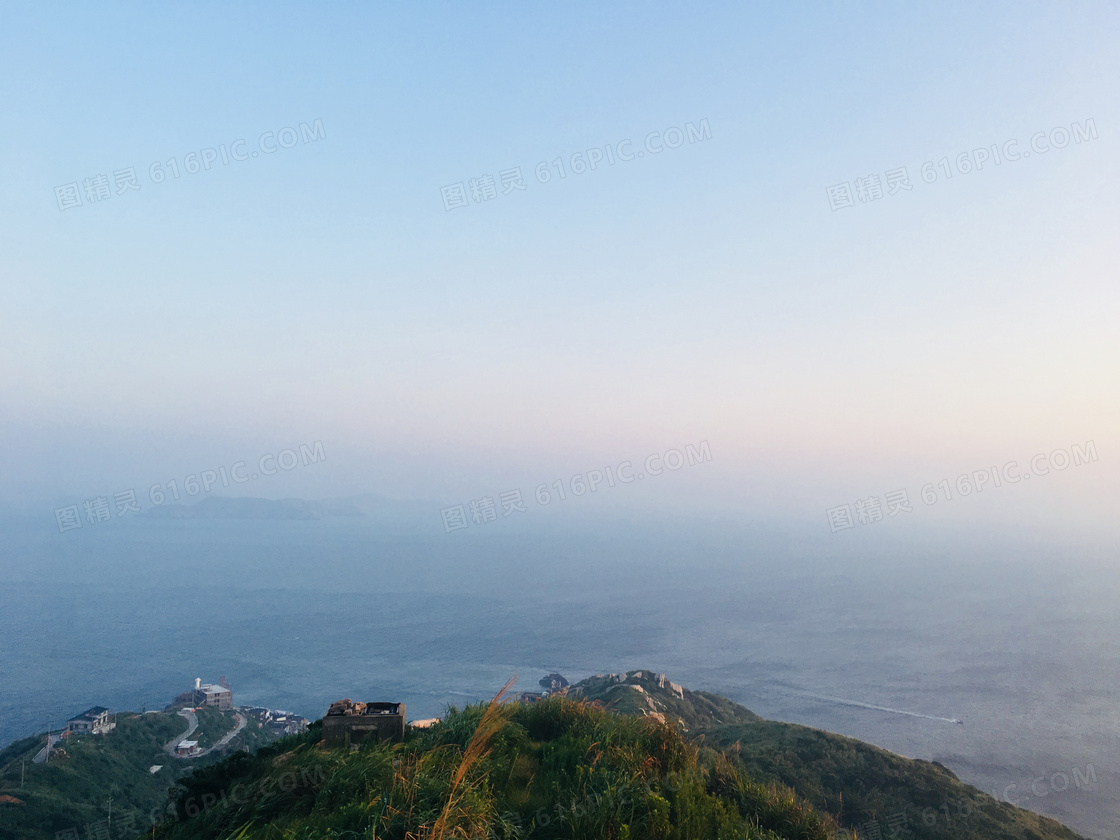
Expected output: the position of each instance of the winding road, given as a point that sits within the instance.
(192, 721)
(229, 736)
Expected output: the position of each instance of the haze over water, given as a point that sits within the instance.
(794, 329)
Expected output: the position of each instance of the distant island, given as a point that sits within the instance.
(222, 507)
(368, 505)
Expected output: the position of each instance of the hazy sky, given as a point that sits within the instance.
(708, 292)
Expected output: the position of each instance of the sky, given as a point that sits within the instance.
(747, 278)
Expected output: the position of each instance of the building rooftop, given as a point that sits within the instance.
(90, 713)
(349, 708)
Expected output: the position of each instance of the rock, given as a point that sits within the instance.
(553, 682)
(664, 682)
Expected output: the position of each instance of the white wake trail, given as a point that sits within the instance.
(860, 705)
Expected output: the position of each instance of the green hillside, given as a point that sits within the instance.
(620, 756)
(615, 757)
(554, 769)
(102, 783)
(864, 785)
(865, 788)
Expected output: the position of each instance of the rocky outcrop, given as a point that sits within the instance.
(553, 682)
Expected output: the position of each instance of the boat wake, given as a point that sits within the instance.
(862, 705)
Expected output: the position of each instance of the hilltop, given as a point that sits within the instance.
(655, 695)
(550, 769)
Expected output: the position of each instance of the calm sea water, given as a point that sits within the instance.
(1022, 645)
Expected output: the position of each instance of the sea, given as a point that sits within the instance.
(886, 639)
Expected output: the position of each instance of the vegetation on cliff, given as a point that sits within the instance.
(555, 769)
(103, 783)
(615, 757)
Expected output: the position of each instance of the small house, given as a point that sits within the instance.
(95, 721)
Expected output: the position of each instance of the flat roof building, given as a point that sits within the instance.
(348, 724)
(214, 695)
(186, 749)
(206, 694)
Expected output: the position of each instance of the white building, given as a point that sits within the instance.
(95, 721)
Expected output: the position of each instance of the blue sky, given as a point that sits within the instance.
(708, 292)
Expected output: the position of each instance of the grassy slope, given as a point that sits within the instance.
(557, 769)
(251, 738)
(609, 761)
(212, 725)
(860, 782)
(854, 781)
(73, 791)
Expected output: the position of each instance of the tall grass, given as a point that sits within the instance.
(556, 770)
(496, 716)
